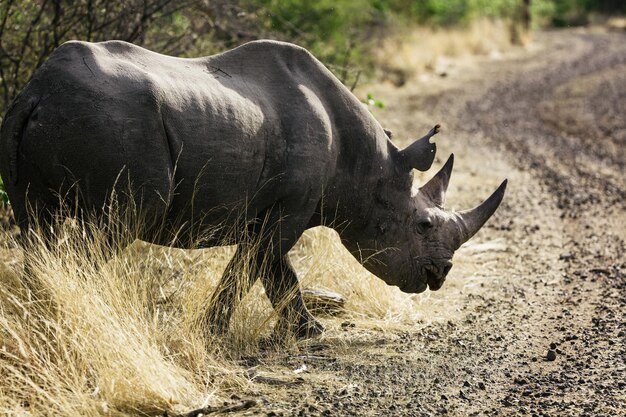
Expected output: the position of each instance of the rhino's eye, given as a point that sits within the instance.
(423, 226)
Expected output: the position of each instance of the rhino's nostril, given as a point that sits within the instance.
(446, 268)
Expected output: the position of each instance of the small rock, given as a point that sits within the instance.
(323, 301)
(552, 346)
(481, 385)
(506, 402)
(346, 324)
(551, 356)
(520, 381)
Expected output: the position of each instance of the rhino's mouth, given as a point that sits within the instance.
(413, 287)
(430, 276)
(435, 275)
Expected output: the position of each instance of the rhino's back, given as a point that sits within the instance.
(218, 131)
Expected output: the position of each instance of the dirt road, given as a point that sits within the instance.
(546, 275)
(560, 116)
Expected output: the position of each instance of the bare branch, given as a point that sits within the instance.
(5, 18)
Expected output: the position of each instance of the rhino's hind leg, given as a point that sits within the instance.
(35, 220)
(36, 229)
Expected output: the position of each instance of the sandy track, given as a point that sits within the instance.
(558, 115)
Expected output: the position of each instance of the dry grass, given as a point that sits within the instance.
(121, 335)
(96, 340)
(408, 52)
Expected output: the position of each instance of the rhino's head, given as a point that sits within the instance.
(410, 236)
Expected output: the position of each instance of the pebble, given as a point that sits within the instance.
(551, 356)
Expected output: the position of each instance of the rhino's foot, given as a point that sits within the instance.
(216, 323)
(305, 327)
(218, 328)
(308, 328)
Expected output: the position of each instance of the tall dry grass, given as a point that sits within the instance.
(118, 332)
(96, 338)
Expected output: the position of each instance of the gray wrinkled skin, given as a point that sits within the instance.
(264, 130)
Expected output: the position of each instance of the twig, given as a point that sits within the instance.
(254, 376)
(314, 358)
(356, 81)
(219, 410)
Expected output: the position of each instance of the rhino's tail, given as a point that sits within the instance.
(11, 134)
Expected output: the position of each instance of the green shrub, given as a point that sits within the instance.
(570, 12)
(561, 13)
(448, 12)
(335, 32)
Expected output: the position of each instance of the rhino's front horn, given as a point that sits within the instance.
(435, 189)
(472, 220)
(420, 154)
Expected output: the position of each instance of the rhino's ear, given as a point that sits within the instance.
(420, 154)
(436, 188)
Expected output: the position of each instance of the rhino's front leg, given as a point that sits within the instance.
(273, 235)
(233, 286)
(282, 288)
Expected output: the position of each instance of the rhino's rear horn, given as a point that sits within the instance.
(472, 220)
(420, 154)
(436, 188)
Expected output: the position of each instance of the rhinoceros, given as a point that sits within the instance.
(262, 137)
